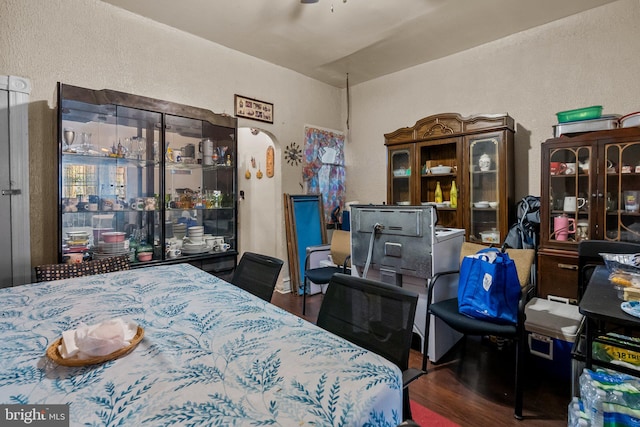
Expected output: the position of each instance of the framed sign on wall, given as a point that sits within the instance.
(253, 109)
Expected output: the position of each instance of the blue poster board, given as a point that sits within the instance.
(305, 228)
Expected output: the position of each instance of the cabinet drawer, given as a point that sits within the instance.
(220, 264)
(558, 274)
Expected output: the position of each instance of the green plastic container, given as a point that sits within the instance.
(587, 113)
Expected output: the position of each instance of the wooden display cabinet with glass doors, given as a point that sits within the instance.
(590, 190)
(474, 152)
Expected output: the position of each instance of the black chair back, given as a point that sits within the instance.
(48, 272)
(374, 315)
(257, 274)
(589, 257)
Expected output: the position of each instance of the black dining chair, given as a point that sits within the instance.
(447, 311)
(48, 272)
(257, 274)
(589, 257)
(376, 316)
(340, 251)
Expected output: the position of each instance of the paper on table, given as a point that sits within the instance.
(97, 340)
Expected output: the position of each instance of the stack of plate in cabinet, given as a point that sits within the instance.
(179, 230)
(107, 250)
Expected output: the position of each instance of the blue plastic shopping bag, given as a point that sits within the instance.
(489, 288)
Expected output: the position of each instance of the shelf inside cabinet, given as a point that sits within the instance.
(489, 172)
(439, 175)
(98, 160)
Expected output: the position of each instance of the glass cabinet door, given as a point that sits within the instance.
(621, 219)
(200, 187)
(484, 189)
(109, 181)
(570, 195)
(401, 188)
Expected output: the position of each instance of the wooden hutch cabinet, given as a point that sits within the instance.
(590, 190)
(479, 152)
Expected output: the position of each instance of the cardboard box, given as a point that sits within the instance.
(552, 328)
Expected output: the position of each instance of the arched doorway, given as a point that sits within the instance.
(258, 211)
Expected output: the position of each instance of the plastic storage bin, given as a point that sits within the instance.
(552, 327)
(586, 113)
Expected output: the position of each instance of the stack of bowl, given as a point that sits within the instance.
(113, 243)
(195, 242)
(196, 234)
(179, 230)
(76, 242)
(97, 234)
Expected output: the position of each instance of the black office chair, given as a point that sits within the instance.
(589, 257)
(257, 274)
(340, 251)
(447, 311)
(376, 316)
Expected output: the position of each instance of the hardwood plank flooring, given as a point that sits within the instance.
(473, 385)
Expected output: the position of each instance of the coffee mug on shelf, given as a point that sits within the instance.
(174, 252)
(572, 203)
(557, 168)
(74, 258)
(582, 230)
(631, 201)
(175, 156)
(223, 247)
(562, 227)
(217, 240)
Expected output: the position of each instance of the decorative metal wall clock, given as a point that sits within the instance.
(293, 154)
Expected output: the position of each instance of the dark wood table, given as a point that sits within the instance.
(600, 306)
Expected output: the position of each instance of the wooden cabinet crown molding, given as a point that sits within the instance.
(449, 124)
(108, 96)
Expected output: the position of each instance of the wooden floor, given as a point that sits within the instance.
(477, 390)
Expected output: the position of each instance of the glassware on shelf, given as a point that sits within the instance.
(453, 194)
(141, 145)
(86, 142)
(217, 198)
(130, 150)
(438, 193)
(69, 135)
(222, 153)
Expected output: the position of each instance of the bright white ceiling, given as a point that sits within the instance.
(364, 38)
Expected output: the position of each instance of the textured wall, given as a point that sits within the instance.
(587, 59)
(93, 44)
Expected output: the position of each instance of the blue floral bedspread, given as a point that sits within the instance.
(212, 355)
